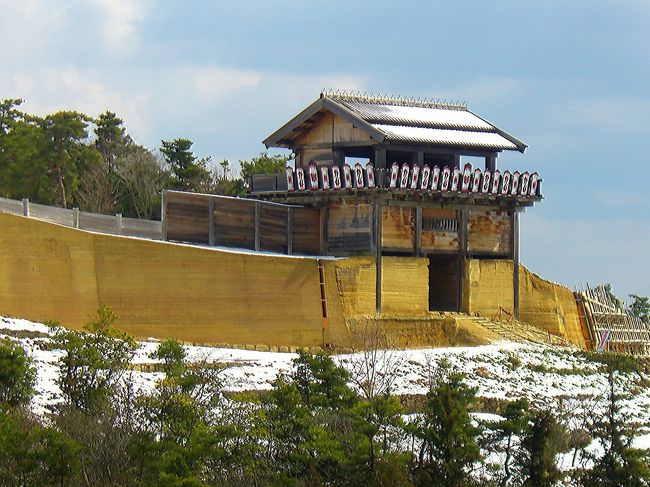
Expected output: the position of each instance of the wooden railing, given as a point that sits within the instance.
(402, 177)
(94, 222)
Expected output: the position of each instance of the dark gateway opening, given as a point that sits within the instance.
(443, 283)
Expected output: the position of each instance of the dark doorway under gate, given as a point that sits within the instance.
(443, 283)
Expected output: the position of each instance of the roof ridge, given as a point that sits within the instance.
(344, 95)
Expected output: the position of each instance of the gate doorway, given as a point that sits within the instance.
(443, 283)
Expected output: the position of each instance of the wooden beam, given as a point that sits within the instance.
(515, 263)
(418, 230)
(379, 160)
(377, 227)
(324, 222)
(289, 231)
(211, 234)
(256, 230)
(462, 256)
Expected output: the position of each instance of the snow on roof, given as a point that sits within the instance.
(462, 138)
(419, 116)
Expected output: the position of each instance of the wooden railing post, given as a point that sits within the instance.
(119, 227)
(26, 207)
(75, 217)
(256, 230)
(289, 230)
(211, 234)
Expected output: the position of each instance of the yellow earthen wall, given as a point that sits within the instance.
(48, 272)
(488, 285)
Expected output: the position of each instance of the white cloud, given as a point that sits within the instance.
(119, 20)
(210, 83)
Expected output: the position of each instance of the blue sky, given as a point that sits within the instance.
(572, 79)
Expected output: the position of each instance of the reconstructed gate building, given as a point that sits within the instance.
(382, 177)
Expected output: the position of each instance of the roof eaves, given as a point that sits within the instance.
(273, 140)
(521, 146)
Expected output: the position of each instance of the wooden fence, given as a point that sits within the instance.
(609, 327)
(111, 224)
(241, 223)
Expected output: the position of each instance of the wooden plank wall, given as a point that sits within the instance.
(349, 229)
(234, 223)
(186, 217)
(445, 239)
(489, 232)
(273, 228)
(306, 231)
(398, 228)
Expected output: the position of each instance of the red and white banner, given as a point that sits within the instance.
(336, 177)
(370, 174)
(289, 172)
(347, 176)
(485, 185)
(426, 175)
(476, 180)
(446, 179)
(325, 177)
(404, 176)
(415, 176)
(300, 178)
(496, 181)
(313, 176)
(505, 182)
(394, 174)
(455, 180)
(467, 175)
(523, 184)
(358, 175)
(534, 181)
(515, 183)
(435, 178)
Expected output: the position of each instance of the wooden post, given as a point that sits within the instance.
(289, 230)
(380, 166)
(119, 226)
(75, 217)
(212, 237)
(462, 256)
(26, 207)
(163, 214)
(377, 226)
(418, 230)
(324, 222)
(491, 163)
(515, 264)
(256, 230)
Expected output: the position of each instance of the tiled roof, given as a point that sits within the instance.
(404, 120)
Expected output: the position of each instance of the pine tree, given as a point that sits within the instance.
(449, 446)
(545, 438)
(621, 464)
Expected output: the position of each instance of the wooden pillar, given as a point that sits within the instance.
(26, 207)
(456, 161)
(462, 256)
(163, 214)
(75, 217)
(515, 263)
(338, 156)
(377, 228)
(324, 222)
(289, 230)
(211, 234)
(491, 163)
(418, 230)
(380, 166)
(119, 225)
(257, 226)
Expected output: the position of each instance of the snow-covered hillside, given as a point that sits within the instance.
(550, 377)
